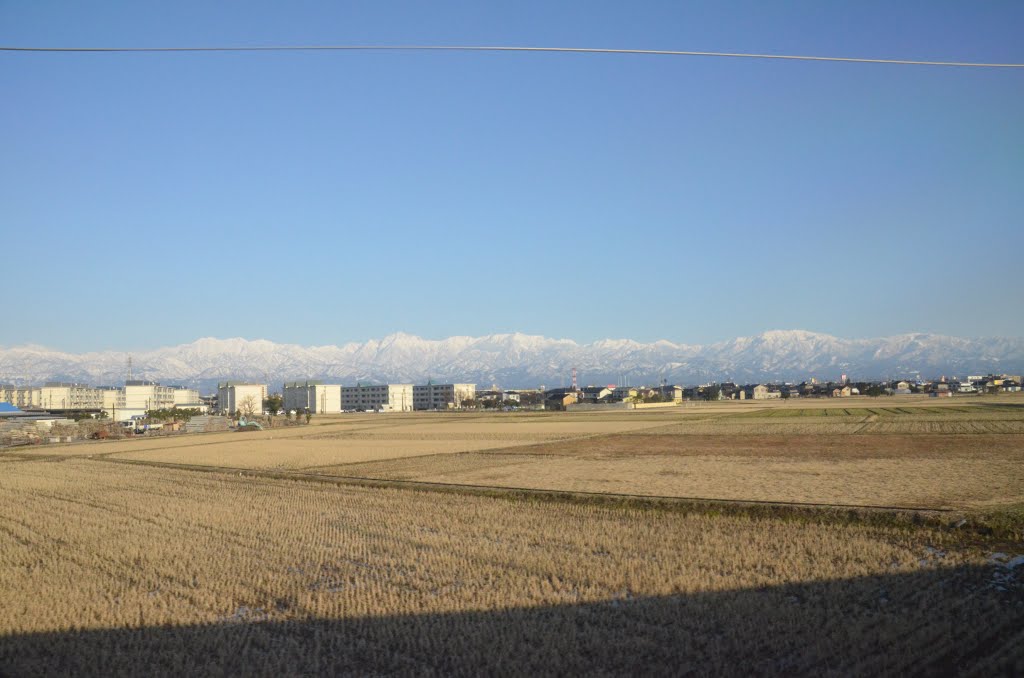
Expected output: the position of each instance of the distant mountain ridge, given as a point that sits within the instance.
(527, 361)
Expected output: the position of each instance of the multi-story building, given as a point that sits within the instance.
(147, 395)
(55, 395)
(137, 396)
(441, 396)
(21, 397)
(113, 403)
(311, 395)
(186, 397)
(383, 398)
(234, 396)
(120, 403)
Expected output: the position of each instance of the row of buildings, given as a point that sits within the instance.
(561, 398)
(844, 388)
(118, 402)
(317, 397)
(137, 397)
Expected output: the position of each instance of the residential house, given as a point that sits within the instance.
(560, 398)
(595, 394)
(762, 392)
(626, 393)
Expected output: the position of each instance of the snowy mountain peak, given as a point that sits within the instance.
(524, 360)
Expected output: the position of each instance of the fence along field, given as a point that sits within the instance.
(113, 569)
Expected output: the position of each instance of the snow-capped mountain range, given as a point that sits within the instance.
(526, 361)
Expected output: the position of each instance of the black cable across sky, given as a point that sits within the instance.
(484, 48)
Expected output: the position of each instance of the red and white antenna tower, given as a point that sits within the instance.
(574, 379)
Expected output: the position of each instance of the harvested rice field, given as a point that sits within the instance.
(906, 453)
(385, 438)
(114, 569)
(934, 471)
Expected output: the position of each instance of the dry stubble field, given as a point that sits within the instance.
(108, 569)
(112, 562)
(962, 457)
(910, 453)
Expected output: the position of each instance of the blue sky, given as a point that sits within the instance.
(150, 199)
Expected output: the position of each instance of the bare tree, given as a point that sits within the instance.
(248, 407)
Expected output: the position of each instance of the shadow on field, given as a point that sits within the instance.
(936, 621)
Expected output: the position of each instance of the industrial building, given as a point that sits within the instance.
(380, 398)
(441, 396)
(314, 396)
(232, 395)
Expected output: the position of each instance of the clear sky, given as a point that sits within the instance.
(150, 199)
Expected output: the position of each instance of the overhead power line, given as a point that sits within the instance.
(483, 48)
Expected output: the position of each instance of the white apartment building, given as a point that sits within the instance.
(147, 395)
(186, 397)
(232, 395)
(312, 395)
(441, 396)
(118, 403)
(113, 403)
(386, 398)
(62, 396)
(21, 397)
(135, 399)
(137, 396)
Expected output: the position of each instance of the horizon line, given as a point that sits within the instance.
(395, 333)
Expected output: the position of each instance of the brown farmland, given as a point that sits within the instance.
(123, 558)
(112, 569)
(959, 454)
